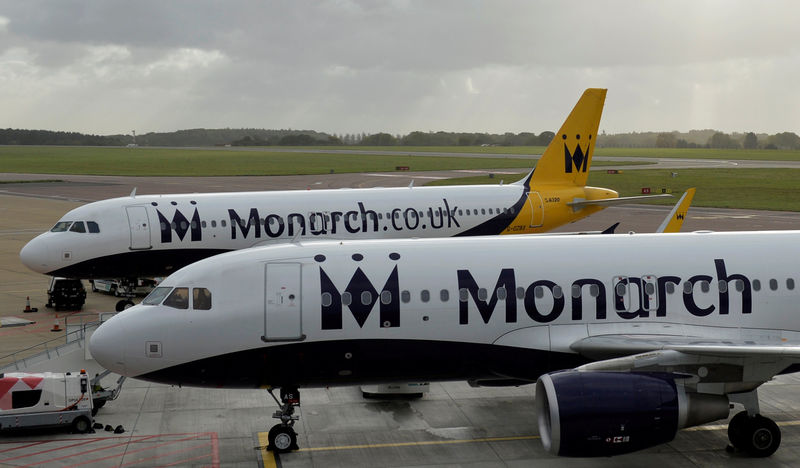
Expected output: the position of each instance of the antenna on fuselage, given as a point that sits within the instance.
(133, 193)
(411, 185)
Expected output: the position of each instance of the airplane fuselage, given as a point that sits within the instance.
(153, 235)
(331, 313)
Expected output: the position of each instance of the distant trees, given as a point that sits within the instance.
(666, 140)
(721, 140)
(785, 140)
(12, 136)
(750, 141)
(379, 139)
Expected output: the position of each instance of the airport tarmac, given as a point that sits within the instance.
(452, 425)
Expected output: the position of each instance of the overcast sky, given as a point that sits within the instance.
(346, 66)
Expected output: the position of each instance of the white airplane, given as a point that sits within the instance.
(154, 235)
(629, 337)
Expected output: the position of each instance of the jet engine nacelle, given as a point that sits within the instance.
(590, 414)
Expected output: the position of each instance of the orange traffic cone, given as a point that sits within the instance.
(28, 308)
(56, 327)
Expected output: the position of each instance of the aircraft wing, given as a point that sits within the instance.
(579, 203)
(719, 366)
(624, 345)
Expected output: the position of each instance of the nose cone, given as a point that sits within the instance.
(107, 347)
(36, 255)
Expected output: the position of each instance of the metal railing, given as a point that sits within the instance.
(49, 349)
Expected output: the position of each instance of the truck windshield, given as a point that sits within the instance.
(61, 226)
(157, 295)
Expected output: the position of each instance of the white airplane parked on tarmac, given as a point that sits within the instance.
(629, 337)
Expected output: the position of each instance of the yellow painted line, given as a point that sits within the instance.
(267, 457)
(722, 427)
(262, 438)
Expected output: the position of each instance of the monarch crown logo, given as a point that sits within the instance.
(578, 159)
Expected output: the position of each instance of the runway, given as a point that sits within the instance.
(453, 425)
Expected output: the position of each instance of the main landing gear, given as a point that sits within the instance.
(282, 437)
(751, 433)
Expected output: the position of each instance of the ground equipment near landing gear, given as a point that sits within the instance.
(755, 435)
(282, 437)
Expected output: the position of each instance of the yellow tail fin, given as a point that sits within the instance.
(567, 159)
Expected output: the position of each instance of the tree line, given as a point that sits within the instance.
(288, 137)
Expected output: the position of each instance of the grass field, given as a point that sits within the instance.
(688, 153)
(144, 161)
(758, 189)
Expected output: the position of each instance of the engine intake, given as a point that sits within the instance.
(590, 414)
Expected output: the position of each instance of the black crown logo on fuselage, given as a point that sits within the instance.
(577, 159)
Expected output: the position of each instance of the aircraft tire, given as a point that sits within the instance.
(764, 437)
(282, 439)
(737, 430)
(121, 305)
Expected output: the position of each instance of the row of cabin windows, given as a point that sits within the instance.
(397, 215)
(594, 291)
(76, 226)
(178, 298)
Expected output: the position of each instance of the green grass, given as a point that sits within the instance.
(144, 161)
(689, 153)
(757, 189)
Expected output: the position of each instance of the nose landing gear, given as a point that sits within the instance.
(282, 437)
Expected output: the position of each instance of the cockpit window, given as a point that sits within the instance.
(78, 226)
(61, 226)
(201, 299)
(179, 298)
(93, 227)
(157, 295)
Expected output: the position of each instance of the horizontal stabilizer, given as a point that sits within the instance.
(579, 203)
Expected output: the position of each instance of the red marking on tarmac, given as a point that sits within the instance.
(210, 440)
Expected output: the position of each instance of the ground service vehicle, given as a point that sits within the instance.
(66, 293)
(47, 399)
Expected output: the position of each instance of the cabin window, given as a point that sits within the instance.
(178, 298)
(366, 298)
(670, 288)
(520, 292)
(93, 227)
(704, 286)
(756, 285)
(621, 288)
(444, 295)
(157, 295)
(386, 297)
(223, 223)
(467, 211)
(594, 290)
(463, 294)
(78, 226)
(576, 291)
(405, 296)
(773, 284)
(739, 285)
(425, 295)
(538, 291)
(490, 211)
(194, 224)
(327, 299)
(723, 286)
(789, 284)
(201, 298)
(512, 210)
(483, 294)
(501, 293)
(347, 299)
(25, 398)
(557, 292)
(483, 211)
(461, 212)
(203, 223)
(213, 223)
(687, 287)
(61, 226)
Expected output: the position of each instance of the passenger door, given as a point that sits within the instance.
(282, 302)
(139, 226)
